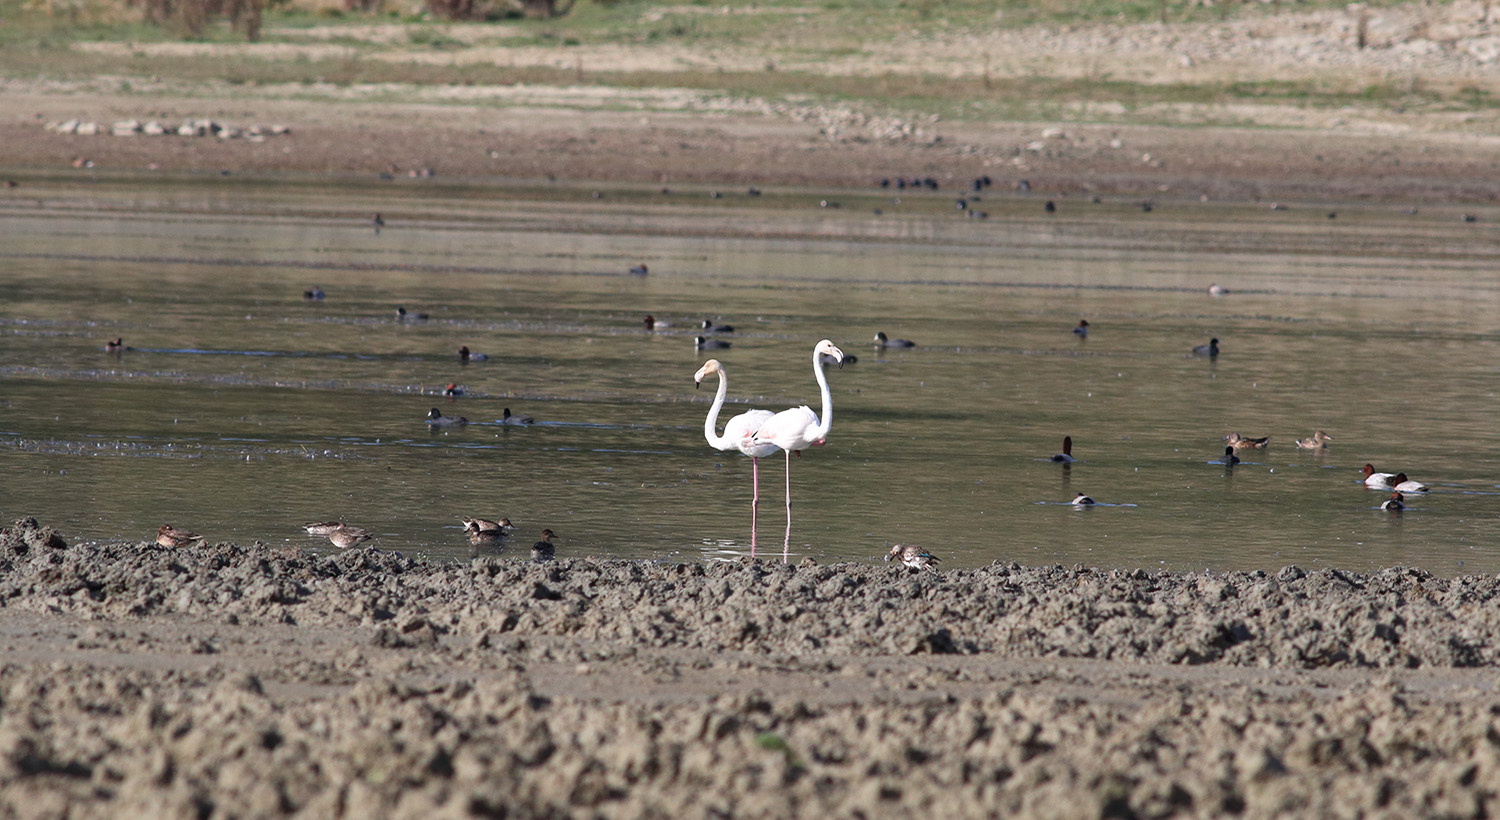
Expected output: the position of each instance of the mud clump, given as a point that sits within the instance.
(252, 681)
(26, 535)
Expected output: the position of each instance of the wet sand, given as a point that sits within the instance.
(224, 680)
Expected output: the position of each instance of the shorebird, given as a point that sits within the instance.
(913, 556)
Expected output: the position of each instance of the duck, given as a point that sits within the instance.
(322, 527)
(1082, 331)
(484, 532)
(170, 536)
(1318, 441)
(404, 315)
(507, 418)
(348, 535)
(465, 355)
(1396, 503)
(116, 345)
(1217, 290)
(710, 327)
(652, 324)
(453, 391)
(1066, 456)
(1230, 459)
(1210, 350)
(639, 270)
(544, 550)
(1405, 485)
(704, 343)
(881, 340)
(316, 294)
(435, 418)
(1240, 442)
(1377, 481)
(913, 556)
(1082, 500)
(377, 222)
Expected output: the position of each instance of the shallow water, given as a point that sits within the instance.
(244, 410)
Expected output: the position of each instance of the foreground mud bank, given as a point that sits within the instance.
(256, 682)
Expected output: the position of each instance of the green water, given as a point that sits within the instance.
(244, 409)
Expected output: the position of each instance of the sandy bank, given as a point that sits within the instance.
(256, 682)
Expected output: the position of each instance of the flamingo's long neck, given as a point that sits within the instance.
(715, 440)
(825, 418)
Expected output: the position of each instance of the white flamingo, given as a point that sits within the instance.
(739, 434)
(799, 428)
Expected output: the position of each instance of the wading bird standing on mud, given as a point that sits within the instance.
(799, 428)
(739, 434)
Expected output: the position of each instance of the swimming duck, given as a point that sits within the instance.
(483, 532)
(404, 315)
(1210, 350)
(116, 345)
(544, 550)
(1403, 484)
(453, 391)
(914, 556)
(314, 295)
(652, 324)
(1318, 441)
(322, 527)
(1217, 290)
(703, 343)
(169, 536)
(1396, 503)
(377, 222)
(507, 418)
(435, 418)
(1240, 442)
(1066, 456)
(1082, 500)
(465, 355)
(1377, 481)
(1230, 459)
(1082, 331)
(710, 327)
(881, 340)
(348, 535)
(639, 270)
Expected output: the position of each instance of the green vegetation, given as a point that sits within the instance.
(35, 44)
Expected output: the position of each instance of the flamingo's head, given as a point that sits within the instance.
(709, 368)
(828, 348)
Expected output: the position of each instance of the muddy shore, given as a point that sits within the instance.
(264, 682)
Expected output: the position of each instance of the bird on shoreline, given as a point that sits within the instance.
(465, 355)
(1082, 500)
(883, 341)
(169, 536)
(1396, 503)
(1066, 456)
(1210, 350)
(1318, 441)
(739, 434)
(1240, 442)
(348, 535)
(483, 532)
(914, 557)
(435, 418)
(799, 428)
(544, 550)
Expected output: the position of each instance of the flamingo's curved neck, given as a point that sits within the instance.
(825, 418)
(714, 440)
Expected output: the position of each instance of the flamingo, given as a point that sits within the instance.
(799, 428)
(739, 433)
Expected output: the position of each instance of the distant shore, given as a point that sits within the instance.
(143, 681)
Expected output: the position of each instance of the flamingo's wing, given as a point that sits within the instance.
(788, 428)
(744, 426)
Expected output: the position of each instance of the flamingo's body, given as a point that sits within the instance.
(799, 428)
(739, 434)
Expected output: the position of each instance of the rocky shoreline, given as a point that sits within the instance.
(256, 681)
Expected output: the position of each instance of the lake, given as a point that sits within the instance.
(243, 409)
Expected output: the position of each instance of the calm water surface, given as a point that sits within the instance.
(244, 410)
